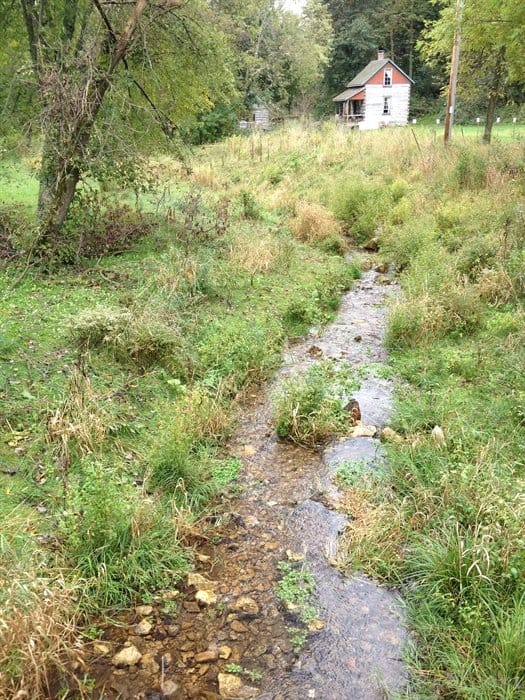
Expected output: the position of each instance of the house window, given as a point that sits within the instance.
(386, 105)
(387, 80)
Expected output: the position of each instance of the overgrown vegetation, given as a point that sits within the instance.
(311, 408)
(121, 375)
(120, 378)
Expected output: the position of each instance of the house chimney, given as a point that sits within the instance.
(380, 54)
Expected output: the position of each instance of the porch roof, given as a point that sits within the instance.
(347, 95)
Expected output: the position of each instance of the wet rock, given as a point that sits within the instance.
(143, 628)
(128, 656)
(102, 648)
(361, 430)
(231, 686)
(389, 435)
(144, 610)
(354, 411)
(200, 581)
(169, 688)
(247, 606)
(206, 597)
(372, 245)
(438, 435)
(382, 268)
(316, 626)
(225, 652)
(207, 656)
(294, 556)
(238, 626)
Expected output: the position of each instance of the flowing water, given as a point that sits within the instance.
(287, 508)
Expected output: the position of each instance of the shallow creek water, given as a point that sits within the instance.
(288, 503)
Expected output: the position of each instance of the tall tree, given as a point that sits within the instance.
(280, 56)
(87, 55)
(492, 51)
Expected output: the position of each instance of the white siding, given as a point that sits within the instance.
(374, 99)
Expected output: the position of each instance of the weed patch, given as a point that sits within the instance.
(312, 408)
(296, 590)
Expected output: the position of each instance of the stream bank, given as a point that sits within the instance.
(226, 634)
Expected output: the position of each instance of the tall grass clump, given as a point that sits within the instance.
(131, 337)
(311, 408)
(39, 640)
(316, 225)
(186, 447)
(121, 543)
(362, 205)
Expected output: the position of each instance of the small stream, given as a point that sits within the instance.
(288, 505)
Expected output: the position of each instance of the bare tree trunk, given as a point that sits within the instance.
(63, 156)
(493, 95)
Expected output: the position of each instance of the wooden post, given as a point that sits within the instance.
(454, 68)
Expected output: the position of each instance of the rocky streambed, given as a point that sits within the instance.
(225, 633)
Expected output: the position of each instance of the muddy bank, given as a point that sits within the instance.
(287, 508)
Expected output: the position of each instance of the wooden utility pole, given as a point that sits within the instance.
(454, 67)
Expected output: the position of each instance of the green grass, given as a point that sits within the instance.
(311, 408)
(92, 407)
(119, 381)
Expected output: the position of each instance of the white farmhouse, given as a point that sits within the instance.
(378, 96)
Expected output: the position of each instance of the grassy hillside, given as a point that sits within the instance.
(120, 376)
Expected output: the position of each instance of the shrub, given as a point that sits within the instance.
(310, 409)
(398, 190)
(95, 227)
(314, 224)
(200, 224)
(404, 243)
(250, 207)
(470, 169)
(476, 254)
(143, 340)
(12, 222)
